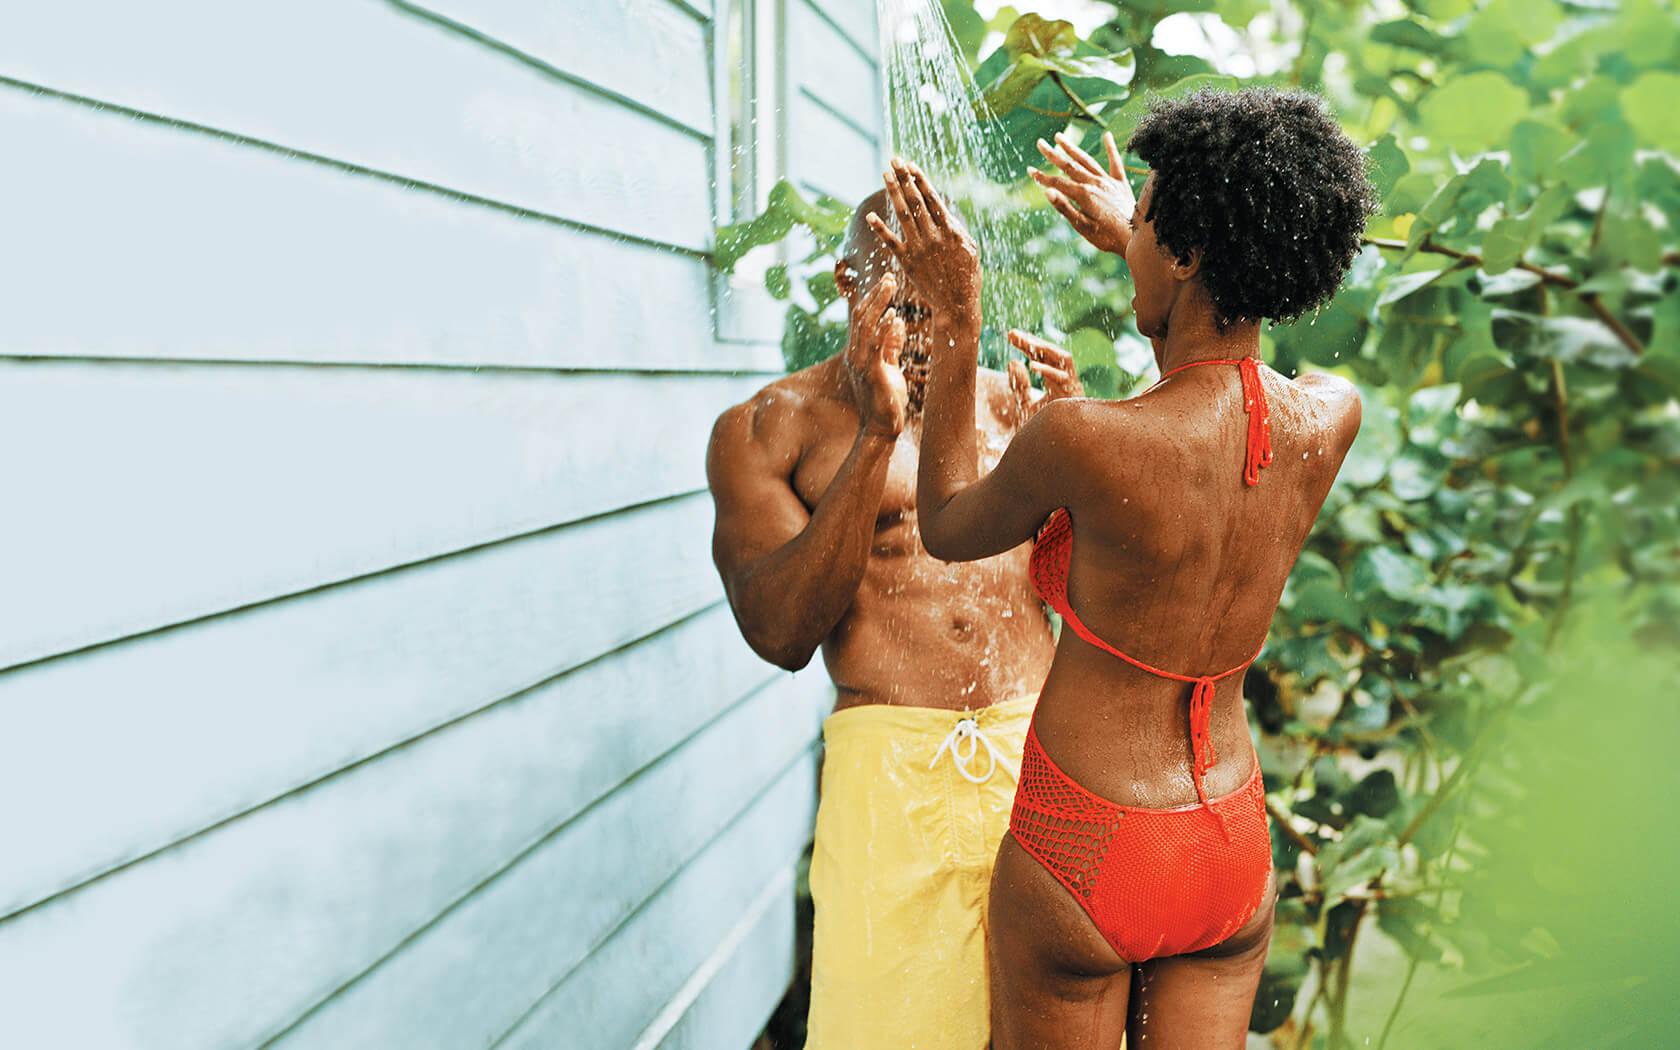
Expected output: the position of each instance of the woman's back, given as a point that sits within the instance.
(1179, 564)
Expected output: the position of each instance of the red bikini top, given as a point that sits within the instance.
(1053, 551)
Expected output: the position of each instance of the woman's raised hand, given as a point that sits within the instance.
(939, 257)
(1098, 203)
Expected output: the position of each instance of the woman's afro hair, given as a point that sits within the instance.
(1267, 186)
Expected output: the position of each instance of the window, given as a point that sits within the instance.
(748, 149)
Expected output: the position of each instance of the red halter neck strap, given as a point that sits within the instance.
(1254, 403)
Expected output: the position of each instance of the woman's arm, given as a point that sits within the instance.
(961, 516)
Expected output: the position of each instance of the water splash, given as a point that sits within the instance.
(936, 118)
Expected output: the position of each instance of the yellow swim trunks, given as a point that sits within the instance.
(914, 803)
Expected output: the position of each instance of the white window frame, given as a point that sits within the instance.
(745, 310)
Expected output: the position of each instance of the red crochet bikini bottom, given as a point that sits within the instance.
(1156, 882)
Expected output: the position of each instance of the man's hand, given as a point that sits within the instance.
(1098, 204)
(939, 257)
(1053, 364)
(872, 353)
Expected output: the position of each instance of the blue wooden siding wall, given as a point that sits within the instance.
(364, 678)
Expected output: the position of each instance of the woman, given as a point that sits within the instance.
(1134, 892)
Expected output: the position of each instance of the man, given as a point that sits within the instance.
(936, 666)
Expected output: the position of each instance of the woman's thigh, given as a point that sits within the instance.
(1055, 983)
(1203, 1001)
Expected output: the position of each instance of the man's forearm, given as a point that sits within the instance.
(793, 598)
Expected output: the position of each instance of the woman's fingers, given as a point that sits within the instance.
(912, 197)
(1079, 220)
(1069, 166)
(1080, 157)
(1116, 166)
(895, 194)
(1057, 182)
(884, 232)
(935, 204)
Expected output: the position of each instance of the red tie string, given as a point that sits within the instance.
(1259, 451)
(1201, 730)
(1259, 421)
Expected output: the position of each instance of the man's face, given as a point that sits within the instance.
(864, 270)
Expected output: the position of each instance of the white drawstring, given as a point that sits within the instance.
(968, 732)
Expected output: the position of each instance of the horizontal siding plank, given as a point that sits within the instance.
(199, 724)
(714, 908)
(230, 486)
(736, 1001)
(649, 50)
(829, 154)
(823, 62)
(577, 914)
(856, 18)
(443, 108)
(226, 939)
(129, 239)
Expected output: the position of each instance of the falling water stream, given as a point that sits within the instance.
(935, 118)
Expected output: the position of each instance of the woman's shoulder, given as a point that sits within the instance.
(1335, 399)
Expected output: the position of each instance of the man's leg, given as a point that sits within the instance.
(898, 952)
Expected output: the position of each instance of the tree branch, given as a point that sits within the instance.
(1078, 103)
(1281, 819)
(1623, 333)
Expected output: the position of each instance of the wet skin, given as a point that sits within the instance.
(1175, 561)
(817, 539)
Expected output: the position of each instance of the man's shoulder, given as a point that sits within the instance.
(993, 390)
(780, 412)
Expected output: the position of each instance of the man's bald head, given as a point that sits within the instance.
(864, 259)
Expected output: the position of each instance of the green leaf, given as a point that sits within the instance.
(1117, 68)
(1510, 237)
(1408, 921)
(806, 340)
(1014, 85)
(1567, 339)
(776, 282)
(1500, 34)
(1405, 284)
(1473, 112)
(1376, 444)
(1091, 348)
(1274, 998)
(1366, 848)
(1460, 199)
(1644, 32)
(1648, 104)
(1324, 601)
(822, 288)
(1033, 35)
(1387, 163)
(1125, 120)
(1377, 795)
(1441, 10)
(1100, 381)
(1387, 572)
(1406, 33)
(967, 26)
(1603, 156)
(825, 217)
(1536, 147)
